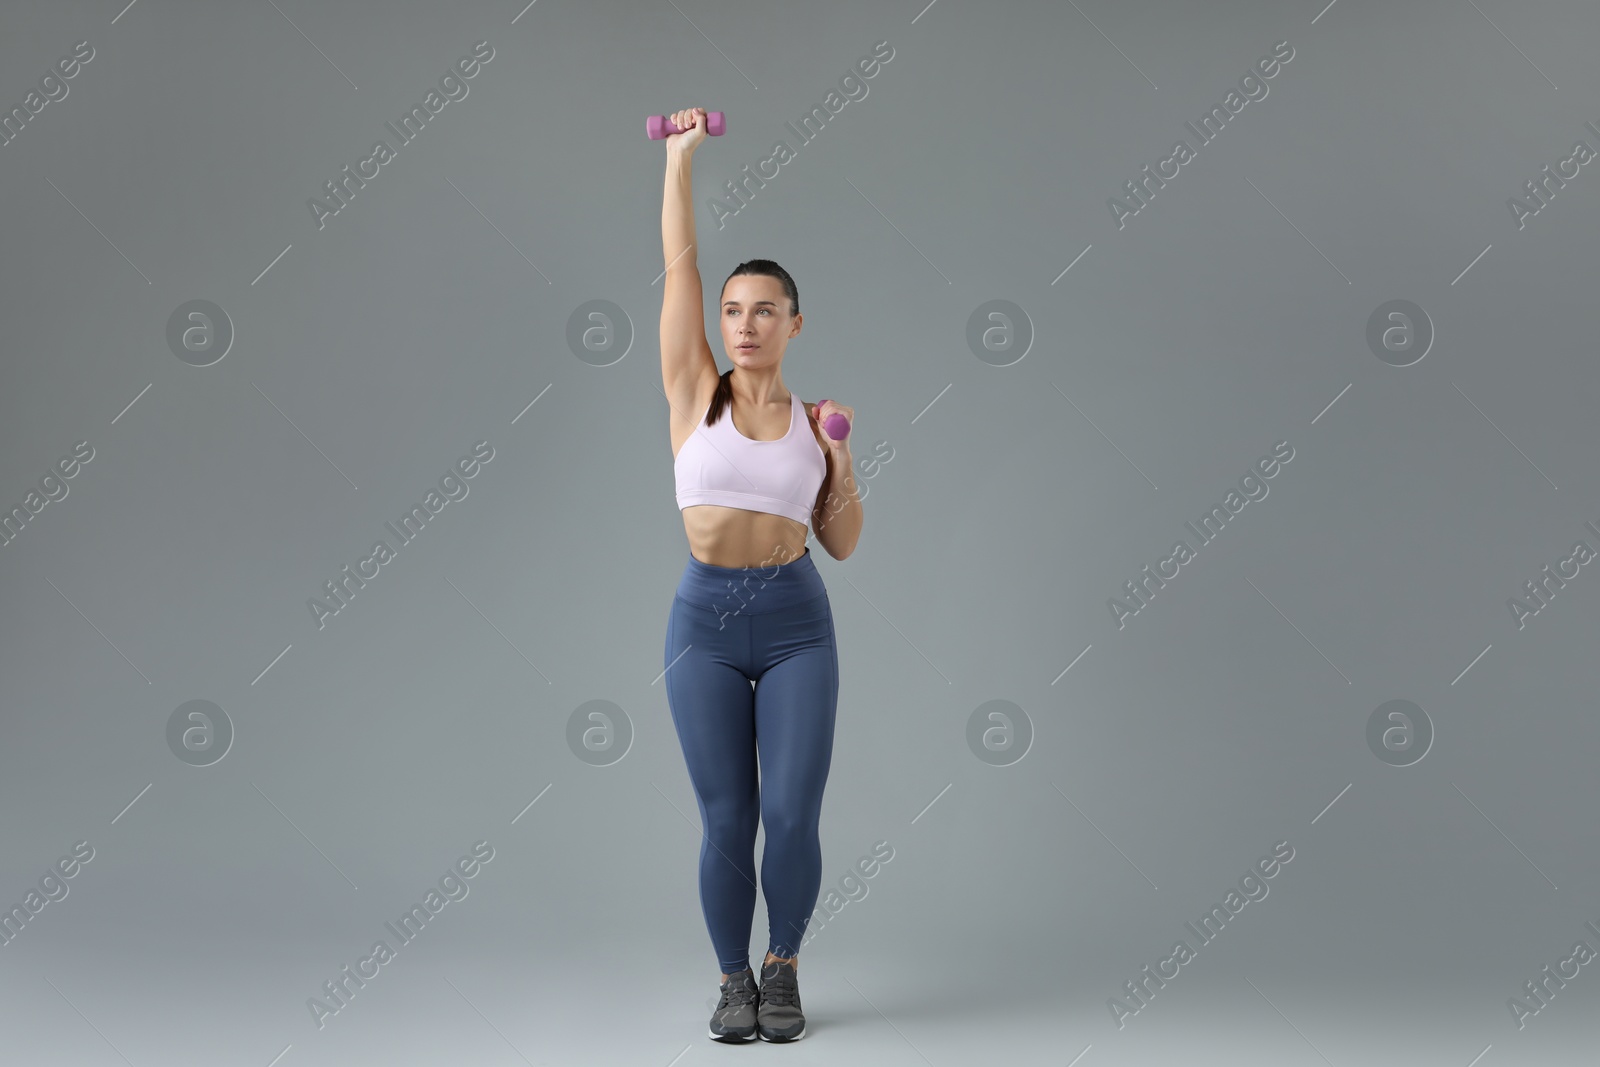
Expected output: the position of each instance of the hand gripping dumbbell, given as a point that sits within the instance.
(659, 126)
(836, 425)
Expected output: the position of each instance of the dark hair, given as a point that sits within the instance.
(766, 268)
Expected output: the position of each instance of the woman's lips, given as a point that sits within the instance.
(742, 347)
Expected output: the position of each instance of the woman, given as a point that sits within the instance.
(751, 466)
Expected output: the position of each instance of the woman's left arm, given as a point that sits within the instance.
(837, 516)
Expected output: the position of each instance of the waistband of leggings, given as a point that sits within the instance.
(751, 590)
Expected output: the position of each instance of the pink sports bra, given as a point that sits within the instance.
(719, 465)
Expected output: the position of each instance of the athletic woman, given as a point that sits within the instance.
(752, 667)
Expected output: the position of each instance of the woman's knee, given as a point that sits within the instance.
(790, 825)
(731, 820)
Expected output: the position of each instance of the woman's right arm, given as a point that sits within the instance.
(686, 359)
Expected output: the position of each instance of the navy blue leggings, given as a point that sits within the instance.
(771, 626)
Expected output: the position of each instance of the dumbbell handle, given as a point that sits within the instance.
(836, 425)
(659, 126)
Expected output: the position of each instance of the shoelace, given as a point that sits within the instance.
(736, 994)
(781, 988)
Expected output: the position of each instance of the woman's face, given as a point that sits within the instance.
(755, 311)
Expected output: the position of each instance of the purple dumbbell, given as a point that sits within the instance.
(659, 126)
(836, 426)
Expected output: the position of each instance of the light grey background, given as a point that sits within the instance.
(1229, 714)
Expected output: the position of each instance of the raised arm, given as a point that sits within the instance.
(686, 359)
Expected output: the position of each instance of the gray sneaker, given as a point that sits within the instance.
(735, 1017)
(779, 1017)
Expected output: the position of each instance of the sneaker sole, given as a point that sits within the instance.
(783, 1040)
(731, 1038)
